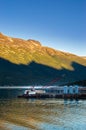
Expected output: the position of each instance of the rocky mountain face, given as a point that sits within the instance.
(84, 57)
(27, 62)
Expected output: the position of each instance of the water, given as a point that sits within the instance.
(34, 114)
(10, 93)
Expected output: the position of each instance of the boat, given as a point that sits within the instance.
(66, 92)
(32, 93)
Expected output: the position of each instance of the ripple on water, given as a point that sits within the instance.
(50, 114)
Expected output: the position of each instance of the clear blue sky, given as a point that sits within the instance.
(60, 24)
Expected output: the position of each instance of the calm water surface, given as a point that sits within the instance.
(48, 114)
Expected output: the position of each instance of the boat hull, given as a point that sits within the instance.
(62, 96)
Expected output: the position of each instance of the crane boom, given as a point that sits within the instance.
(54, 80)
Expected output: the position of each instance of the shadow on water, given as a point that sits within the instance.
(37, 74)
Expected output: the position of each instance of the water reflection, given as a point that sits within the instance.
(52, 114)
(44, 114)
(71, 101)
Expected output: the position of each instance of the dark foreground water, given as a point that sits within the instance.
(48, 114)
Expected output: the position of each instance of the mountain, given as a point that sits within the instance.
(84, 57)
(27, 62)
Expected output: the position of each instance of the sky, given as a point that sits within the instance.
(60, 24)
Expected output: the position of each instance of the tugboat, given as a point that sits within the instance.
(33, 93)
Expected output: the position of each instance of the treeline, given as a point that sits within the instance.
(80, 83)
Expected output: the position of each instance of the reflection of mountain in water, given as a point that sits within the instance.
(43, 114)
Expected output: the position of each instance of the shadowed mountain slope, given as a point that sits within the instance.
(38, 74)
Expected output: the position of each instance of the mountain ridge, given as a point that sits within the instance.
(21, 47)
